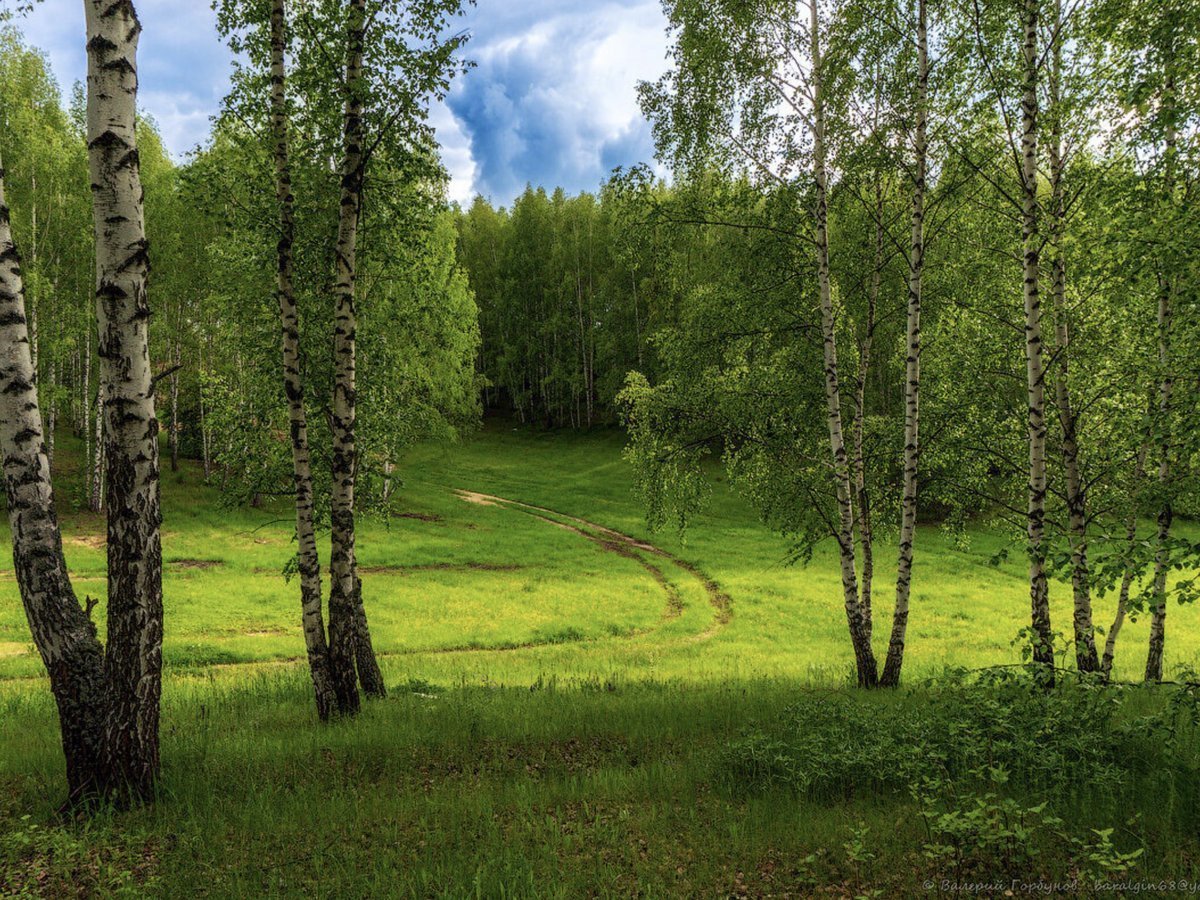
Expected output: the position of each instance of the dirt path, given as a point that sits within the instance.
(608, 539)
(624, 545)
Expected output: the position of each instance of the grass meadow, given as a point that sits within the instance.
(581, 708)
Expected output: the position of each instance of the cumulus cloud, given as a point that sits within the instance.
(183, 67)
(553, 97)
(456, 153)
(551, 101)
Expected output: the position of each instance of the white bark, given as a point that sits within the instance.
(1085, 635)
(349, 637)
(133, 657)
(62, 631)
(1042, 638)
(293, 383)
(912, 373)
(866, 665)
(1166, 389)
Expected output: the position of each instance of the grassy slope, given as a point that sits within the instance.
(460, 575)
(591, 773)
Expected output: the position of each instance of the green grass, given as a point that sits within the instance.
(448, 575)
(564, 707)
(604, 790)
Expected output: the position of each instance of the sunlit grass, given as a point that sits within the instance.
(557, 710)
(445, 576)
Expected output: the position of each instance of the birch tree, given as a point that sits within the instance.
(912, 362)
(368, 113)
(1008, 56)
(108, 696)
(269, 42)
(778, 119)
(309, 561)
(397, 57)
(1076, 491)
(349, 636)
(62, 629)
(1153, 50)
(1039, 591)
(1169, 42)
(133, 655)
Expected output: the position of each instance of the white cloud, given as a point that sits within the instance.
(552, 101)
(456, 153)
(183, 67)
(554, 97)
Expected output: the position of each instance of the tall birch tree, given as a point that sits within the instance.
(133, 655)
(62, 630)
(309, 562)
(108, 696)
(912, 361)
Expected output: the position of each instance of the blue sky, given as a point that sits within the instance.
(551, 101)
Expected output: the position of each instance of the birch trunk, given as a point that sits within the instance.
(52, 411)
(34, 341)
(77, 416)
(349, 638)
(1110, 645)
(865, 662)
(865, 533)
(1039, 594)
(96, 498)
(1158, 620)
(85, 403)
(76, 376)
(309, 562)
(1085, 634)
(1166, 514)
(133, 657)
(174, 436)
(205, 436)
(912, 374)
(62, 631)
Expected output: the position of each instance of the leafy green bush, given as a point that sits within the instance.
(1000, 770)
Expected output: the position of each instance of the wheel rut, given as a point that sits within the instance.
(629, 547)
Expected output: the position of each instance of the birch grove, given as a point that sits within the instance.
(922, 270)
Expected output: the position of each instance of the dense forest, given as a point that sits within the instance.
(899, 264)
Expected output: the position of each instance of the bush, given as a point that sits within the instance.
(995, 765)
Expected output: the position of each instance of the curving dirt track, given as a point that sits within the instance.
(628, 546)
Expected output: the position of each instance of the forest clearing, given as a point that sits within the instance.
(630, 448)
(520, 599)
(560, 721)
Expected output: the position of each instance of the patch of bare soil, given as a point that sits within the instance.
(420, 517)
(91, 541)
(477, 498)
(442, 567)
